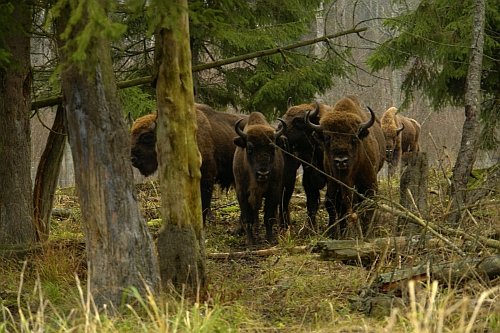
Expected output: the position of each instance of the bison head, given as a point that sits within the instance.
(341, 133)
(298, 134)
(260, 142)
(143, 144)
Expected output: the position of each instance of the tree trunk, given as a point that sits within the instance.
(472, 127)
(181, 249)
(413, 185)
(47, 175)
(16, 202)
(120, 250)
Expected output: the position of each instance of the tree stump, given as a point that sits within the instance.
(413, 185)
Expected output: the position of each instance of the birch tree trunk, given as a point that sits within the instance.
(181, 249)
(119, 247)
(16, 202)
(471, 129)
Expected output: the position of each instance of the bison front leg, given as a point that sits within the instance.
(312, 181)
(270, 217)
(288, 186)
(337, 222)
(247, 219)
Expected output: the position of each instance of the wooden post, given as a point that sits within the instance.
(413, 184)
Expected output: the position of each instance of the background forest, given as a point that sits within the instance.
(266, 84)
(414, 55)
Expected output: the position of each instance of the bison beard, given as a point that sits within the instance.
(258, 170)
(215, 141)
(353, 154)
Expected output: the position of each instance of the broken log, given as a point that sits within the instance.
(445, 273)
(363, 249)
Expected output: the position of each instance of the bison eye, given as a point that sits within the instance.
(354, 140)
(148, 139)
(249, 148)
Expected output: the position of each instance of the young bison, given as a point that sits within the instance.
(401, 135)
(258, 170)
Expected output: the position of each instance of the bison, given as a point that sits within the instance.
(258, 169)
(309, 154)
(401, 135)
(353, 145)
(215, 141)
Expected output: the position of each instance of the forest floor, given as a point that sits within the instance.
(286, 289)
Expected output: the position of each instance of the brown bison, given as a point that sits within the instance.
(353, 145)
(258, 169)
(310, 155)
(401, 135)
(215, 141)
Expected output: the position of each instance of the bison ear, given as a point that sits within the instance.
(152, 126)
(239, 141)
(364, 133)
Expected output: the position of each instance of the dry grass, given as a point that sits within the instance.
(285, 292)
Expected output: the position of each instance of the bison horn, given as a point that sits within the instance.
(400, 129)
(316, 111)
(289, 103)
(309, 124)
(281, 130)
(238, 129)
(369, 123)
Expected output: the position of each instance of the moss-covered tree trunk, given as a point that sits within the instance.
(16, 203)
(180, 245)
(120, 251)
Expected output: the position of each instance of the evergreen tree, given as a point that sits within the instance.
(224, 29)
(432, 47)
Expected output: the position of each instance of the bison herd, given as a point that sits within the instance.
(341, 147)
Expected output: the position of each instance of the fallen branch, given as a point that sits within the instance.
(429, 226)
(148, 79)
(432, 227)
(259, 253)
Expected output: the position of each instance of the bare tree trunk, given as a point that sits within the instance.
(120, 250)
(181, 249)
(47, 175)
(16, 202)
(471, 129)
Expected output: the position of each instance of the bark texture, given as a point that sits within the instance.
(120, 250)
(472, 127)
(181, 240)
(16, 203)
(47, 175)
(413, 186)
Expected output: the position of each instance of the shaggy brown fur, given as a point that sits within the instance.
(258, 169)
(353, 155)
(215, 141)
(310, 155)
(401, 135)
